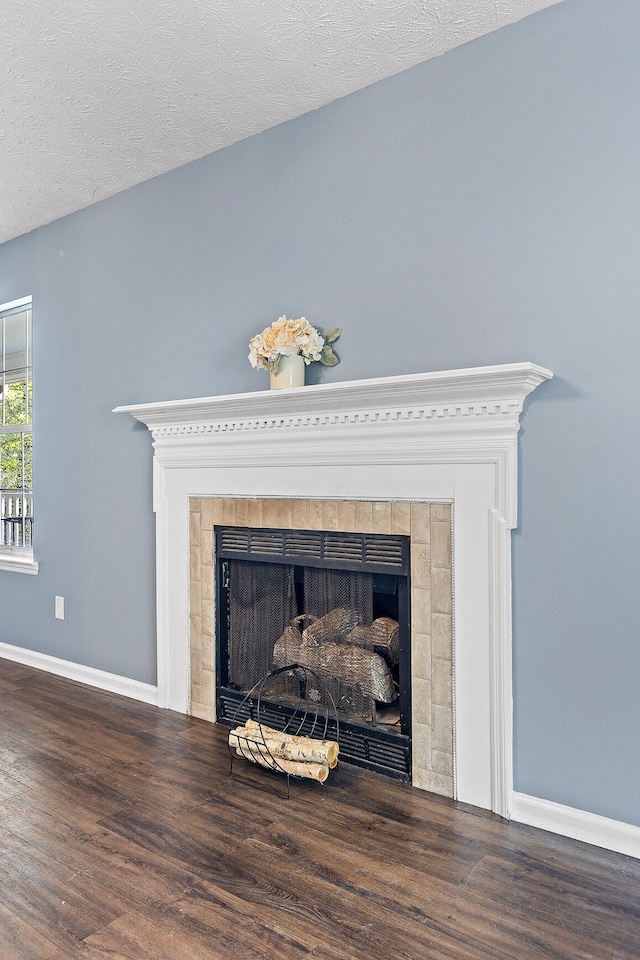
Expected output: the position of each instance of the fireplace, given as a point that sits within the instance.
(418, 535)
(336, 602)
(384, 448)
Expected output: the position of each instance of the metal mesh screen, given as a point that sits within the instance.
(324, 590)
(269, 627)
(262, 602)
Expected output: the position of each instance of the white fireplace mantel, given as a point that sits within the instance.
(449, 435)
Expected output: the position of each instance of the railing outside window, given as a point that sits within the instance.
(16, 518)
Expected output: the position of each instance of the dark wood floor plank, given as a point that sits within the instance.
(55, 901)
(382, 881)
(107, 861)
(281, 888)
(122, 836)
(20, 941)
(571, 912)
(190, 930)
(498, 838)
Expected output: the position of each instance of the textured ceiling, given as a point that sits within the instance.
(98, 96)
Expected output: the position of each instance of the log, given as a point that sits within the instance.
(257, 753)
(338, 661)
(288, 746)
(279, 750)
(382, 637)
(333, 627)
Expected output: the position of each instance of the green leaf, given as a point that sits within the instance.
(332, 335)
(328, 357)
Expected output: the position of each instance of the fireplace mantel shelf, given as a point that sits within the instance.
(450, 416)
(472, 391)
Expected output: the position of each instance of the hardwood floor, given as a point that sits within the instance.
(122, 836)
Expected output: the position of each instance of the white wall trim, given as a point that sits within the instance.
(576, 824)
(448, 435)
(124, 686)
(19, 563)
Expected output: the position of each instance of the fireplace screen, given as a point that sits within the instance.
(337, 603)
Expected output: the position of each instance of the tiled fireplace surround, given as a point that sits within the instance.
(429, 528)
(402, 451)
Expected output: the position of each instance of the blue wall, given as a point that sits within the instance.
(480, 208)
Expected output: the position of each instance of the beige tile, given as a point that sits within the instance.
(206, 546)
(421, 656)
(347, 516)
(208, 626)
(441, 545)
(433, 782)
(283, 514)
(364, 516)
(203, 712)
(299, 515)
(442, 763)
(420, 522)
(208, 687)
(441, 590)
(382, 517)
(216, 505)
(420, 565)
(442, 723)
(441, 636)
(196, 676)
(441, 682)
(207, 651)
(208, 654)
(228, 511)
(206, 512)
(242, 513)
(421, 745)
(419, 776)
(401, 518)
(330, 512)
(195, 570)
(421, 706)
(441, 512)
(270, 513)
(195, 595)
(254, 513)
(314, 514)
(206, 582)
(195, 633)
(194, 528)
(195, 638)
(420, 610)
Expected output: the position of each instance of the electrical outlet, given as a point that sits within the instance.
(59, 608)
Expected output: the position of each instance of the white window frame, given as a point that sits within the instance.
(17, 559)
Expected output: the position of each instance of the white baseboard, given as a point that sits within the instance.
(145, 692)
(577, 824)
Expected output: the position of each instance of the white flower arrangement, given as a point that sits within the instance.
(290, 338)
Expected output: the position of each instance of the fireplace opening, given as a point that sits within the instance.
(337, 603)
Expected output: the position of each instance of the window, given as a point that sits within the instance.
(16, 474)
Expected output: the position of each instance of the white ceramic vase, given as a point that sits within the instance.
(290, 373)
